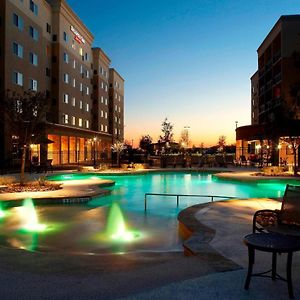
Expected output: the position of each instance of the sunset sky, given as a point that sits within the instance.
(187, 60)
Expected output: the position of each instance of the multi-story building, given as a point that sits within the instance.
(275, 90)
(45, 47)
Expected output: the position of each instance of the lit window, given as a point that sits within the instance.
(116, 131)
(105, 101)
(105, 115)
(102, 113)
(102, 85)
(105, 128)
(18, 21)
(33, 85)
(73, 120)
(80, 122)
(73, 45)
(74, 64)
(66, 57)
(87, 124)
(66, 78)
(116, 119)
(81, 87)
(73, 101)
(74, 82)
(33, 33)
(18, 50)
(33, 58)
(87, 107)
(116, 107)
(102, 99)
(18, 78)
(119, 98)
(81, 69)
(80, 52)
(33, 7)
(81, 104)
(66, 98)
(65, 119)
(119, 108)
(116, 96)
(106, 88)
(87, 90)
(87, 74)
(101, 127)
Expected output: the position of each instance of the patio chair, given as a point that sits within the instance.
(284, 221)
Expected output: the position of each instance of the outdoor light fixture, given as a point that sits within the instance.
(258, 146)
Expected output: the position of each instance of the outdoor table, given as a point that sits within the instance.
(274, 243)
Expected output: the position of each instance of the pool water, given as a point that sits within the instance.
(80, 228)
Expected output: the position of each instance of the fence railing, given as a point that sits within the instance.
(212, 197)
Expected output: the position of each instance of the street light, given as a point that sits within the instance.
(94, 139)
(236, 124)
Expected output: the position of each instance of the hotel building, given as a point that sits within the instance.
(275, 91)
(45, 47)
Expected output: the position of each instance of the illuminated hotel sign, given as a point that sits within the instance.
(78, 37)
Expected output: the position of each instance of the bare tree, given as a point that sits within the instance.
(24, 114)
(167, 131)
(118, 147)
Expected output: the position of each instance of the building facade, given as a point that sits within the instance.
(275, 91)
(45, 47)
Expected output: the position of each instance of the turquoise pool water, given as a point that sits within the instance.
(80, 228)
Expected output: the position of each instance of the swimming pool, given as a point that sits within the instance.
(79, 228)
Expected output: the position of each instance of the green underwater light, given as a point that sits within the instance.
(116, 228)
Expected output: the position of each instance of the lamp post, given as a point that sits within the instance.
(94, 139)
(236, 124)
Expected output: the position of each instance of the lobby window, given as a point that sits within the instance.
(33, 85)
(65, 119)
(80, 122)
(33, 7)
(18, 78)
(18, 21)
(66, 58)
(33, 58)
(73, 120)
(74, 82)
(87, 107)
(65, 37)
(48, 28)
(73, 101)
(66, 98)
(87, 124)
(33, 33)
(81, 104)
(18, 50)
(66, 78)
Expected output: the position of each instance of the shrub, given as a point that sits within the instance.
(5, 180)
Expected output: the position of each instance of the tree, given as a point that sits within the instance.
(118, 147)
(184, 138)
(167, 131)
(294, 144)
(146, 142)
(222, 143)
(24, 114)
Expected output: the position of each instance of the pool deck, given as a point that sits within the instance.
(217, 272)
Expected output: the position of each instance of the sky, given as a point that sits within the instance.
(186, 60)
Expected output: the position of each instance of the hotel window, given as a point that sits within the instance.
(105, 128)
(105, 115)
(66, 78)
(102, 99)
(116, 96)
(73, 120)
(48, 50)
(100, 70)
(48, 28)
(116, 107)
(101, 127)
(116, 119)
(87, 57)
(120, 121)
(18, 78)
(87, 124)
(73, 45)
(74, 64)
(18, 49)
(102, 84)
(80, 122)
(105, 101)
(87, 90)
(65, 37)
(48, 72)
(33, 85)
(74, 82)
(81, 69)
(81, 87)
(119, 98)
(106, 88)
(87, 74)
(66, 98)
(119, 108)
(81, 104)
(18, 21)
(33, 7)
(33, 33)
(33, 59)
(65, 119)
(66, 58)
(102, 113)
(73, 101)
(80, 52)
(87, 107)
(116, 131)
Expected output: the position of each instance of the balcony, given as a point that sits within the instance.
(276, 56)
